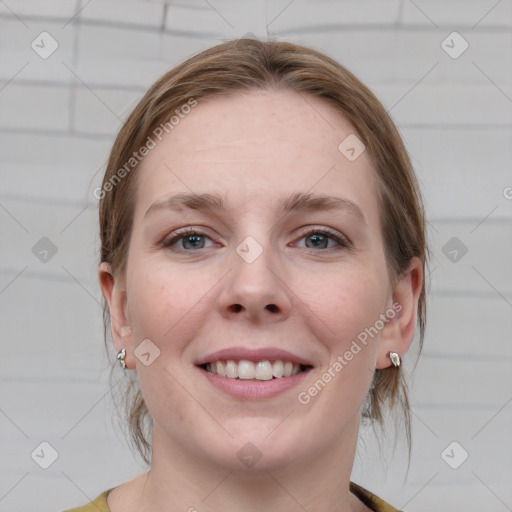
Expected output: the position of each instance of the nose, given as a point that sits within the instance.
(256, 291)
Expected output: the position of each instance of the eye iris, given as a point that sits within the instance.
(317, 240)
(193, 242)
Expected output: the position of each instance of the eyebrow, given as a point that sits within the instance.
(296, 202)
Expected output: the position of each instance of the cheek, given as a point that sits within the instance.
(344, 303)
(164, 307)
(162, 301)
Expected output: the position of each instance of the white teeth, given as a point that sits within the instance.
(263, 370)
(221, 370)
(247, 370)
(231, 369)
(278, 369)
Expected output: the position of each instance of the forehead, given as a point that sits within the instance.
(258, 146)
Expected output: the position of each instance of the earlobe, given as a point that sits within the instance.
(114, 291)
(398, 333)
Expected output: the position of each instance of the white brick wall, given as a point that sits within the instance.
(58, 117)
(44, 107)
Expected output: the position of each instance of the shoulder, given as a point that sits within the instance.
(370, 500)
(98, 505)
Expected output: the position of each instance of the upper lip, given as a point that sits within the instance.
(261, 354)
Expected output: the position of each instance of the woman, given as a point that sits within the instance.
(262, 260)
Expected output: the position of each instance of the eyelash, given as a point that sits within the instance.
(343, 242)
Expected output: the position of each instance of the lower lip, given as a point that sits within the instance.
(254, 389)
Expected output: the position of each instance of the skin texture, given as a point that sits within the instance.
(256, 149)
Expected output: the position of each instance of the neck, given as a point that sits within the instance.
(316, 483)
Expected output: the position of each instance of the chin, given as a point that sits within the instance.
(250, 460)
(256, 447)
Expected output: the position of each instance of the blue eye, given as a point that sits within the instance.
(324, 239)
(189, 240)
(316, 239)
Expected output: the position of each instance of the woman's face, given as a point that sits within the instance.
(256, 239)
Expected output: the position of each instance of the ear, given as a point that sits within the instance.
(398, 332)
(114, 291)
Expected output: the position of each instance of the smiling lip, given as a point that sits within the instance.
(262, 354)
(252, 389)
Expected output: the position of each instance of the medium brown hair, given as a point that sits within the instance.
(245, 65)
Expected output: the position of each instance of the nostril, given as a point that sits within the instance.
(236, 308)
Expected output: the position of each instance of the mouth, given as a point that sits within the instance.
(263, 370)
(254, 374)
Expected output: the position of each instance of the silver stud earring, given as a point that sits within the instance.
(395, 359)
(120, 357)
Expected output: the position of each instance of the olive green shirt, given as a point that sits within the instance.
(370, 500)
